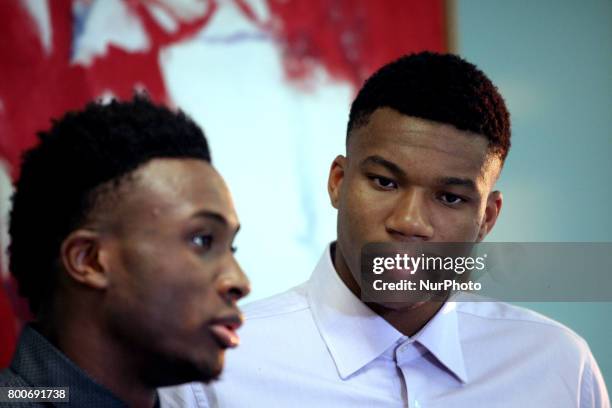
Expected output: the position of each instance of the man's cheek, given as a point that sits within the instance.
(457, 228)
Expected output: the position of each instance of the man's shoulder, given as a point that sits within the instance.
(291, 301)
(511, 323)
(512, 314)
(272, 328)
(533, 345)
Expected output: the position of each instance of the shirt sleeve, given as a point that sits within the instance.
(593, 392)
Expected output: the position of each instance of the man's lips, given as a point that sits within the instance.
(224, 330)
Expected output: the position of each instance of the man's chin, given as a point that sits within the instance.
(212, 374)
(210, 371)
(176, 373)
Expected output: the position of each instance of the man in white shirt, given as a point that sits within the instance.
(427, 137)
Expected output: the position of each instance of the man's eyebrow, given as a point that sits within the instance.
(392, 167)
(457, 181)
(215, 216)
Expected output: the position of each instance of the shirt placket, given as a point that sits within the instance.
(406, 353)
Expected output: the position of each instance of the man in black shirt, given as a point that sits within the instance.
(122, 242)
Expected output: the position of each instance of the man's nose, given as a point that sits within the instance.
(234, 284)
(409, 219)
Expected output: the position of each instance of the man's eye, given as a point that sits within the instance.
(233, 248)
(452, 199)
(384, 183)
(202, 241)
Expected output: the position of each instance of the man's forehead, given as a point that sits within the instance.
(178, 174)
(187, 186)
(388, 125)
(408, 140)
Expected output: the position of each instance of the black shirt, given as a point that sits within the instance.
(37, 363)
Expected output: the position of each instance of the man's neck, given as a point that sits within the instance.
(407, 320)
(93, 351)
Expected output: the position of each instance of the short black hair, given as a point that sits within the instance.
(438, 87)
(59, 178)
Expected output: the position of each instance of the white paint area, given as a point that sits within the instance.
(272, 142)
(39, 11)
(96, 21)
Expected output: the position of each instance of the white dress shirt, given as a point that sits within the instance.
(318, 345)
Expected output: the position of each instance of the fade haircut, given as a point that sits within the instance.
(82, 157)
(438, 87)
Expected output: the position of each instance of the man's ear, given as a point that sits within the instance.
(81, 255)
(336, 176)
(492, 210)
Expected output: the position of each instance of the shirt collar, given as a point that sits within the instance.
(441, 337)
(355, 335)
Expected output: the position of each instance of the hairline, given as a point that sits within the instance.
(363, 120)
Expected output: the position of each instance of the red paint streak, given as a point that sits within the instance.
(350, 39)
(8, 333)
(120, 71)
(36, 86)
(353, 38)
